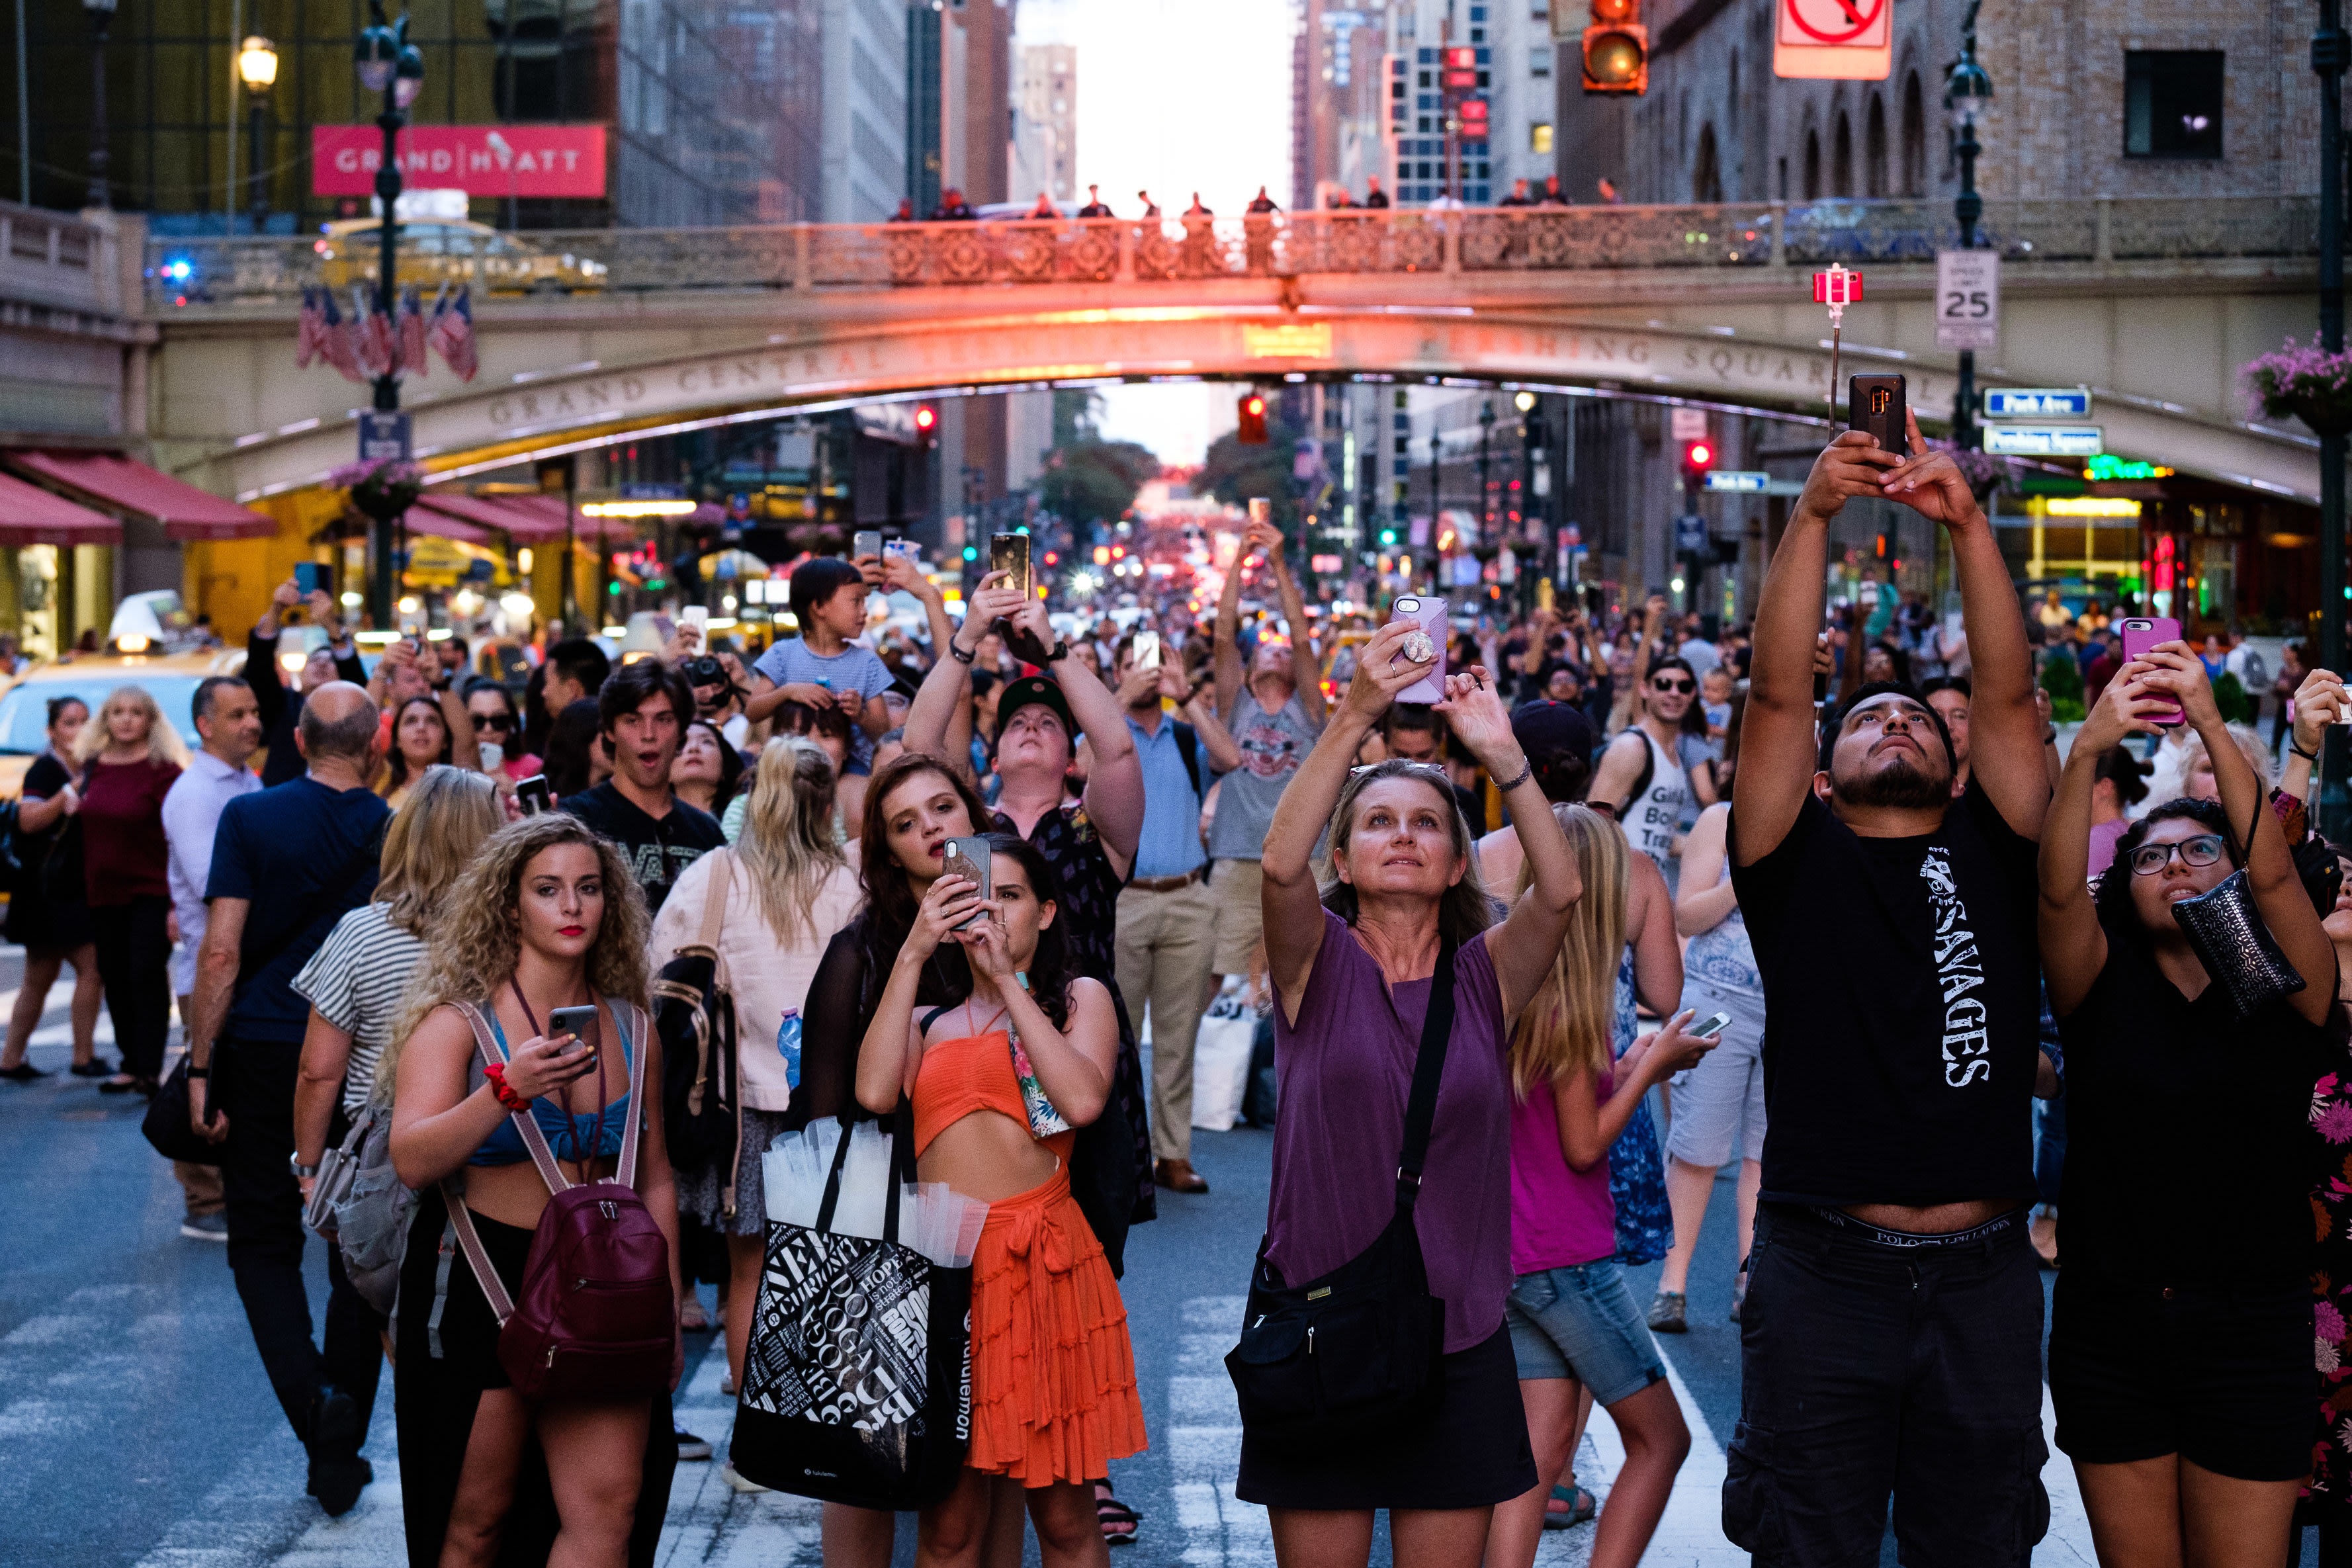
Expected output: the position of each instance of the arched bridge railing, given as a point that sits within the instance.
(192, 275)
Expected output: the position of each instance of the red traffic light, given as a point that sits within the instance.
(1250, 411)
(1698, 457)
(1473, 115)
(927, 421)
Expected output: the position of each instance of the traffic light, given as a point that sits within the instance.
(1698, 457)
(1616, 49)
(1252, 411)
(927, 423)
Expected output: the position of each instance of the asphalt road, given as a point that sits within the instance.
(136, 1427)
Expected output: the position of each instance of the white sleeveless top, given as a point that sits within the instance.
(1652, 820)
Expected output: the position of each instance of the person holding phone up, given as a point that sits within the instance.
(1353, 942)
(2180, 1344)
(1891, 1340)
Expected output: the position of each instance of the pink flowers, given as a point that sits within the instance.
(2326, 1321)
(2333, 1121)
(2308, 383)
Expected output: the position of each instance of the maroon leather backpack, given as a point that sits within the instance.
(597, 1318)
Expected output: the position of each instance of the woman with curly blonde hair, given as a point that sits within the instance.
(547, 916)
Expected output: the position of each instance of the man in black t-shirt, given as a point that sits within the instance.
(643, 708)
(1891, 1340)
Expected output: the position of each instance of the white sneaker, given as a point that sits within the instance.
(205, 1227)
(727, 1384)
(734, 1478)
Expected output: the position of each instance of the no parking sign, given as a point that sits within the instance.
(1849, 39)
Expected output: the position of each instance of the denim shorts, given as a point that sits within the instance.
(1581, 1321)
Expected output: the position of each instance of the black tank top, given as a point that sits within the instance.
(1901, 1007)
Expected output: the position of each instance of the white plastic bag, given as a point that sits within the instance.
(1221, 1057)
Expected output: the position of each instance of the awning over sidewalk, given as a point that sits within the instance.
(31, 515)
(427, 516)
(530, 519)
(186, 513)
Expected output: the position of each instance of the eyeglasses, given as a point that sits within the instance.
(1403, 765)
(493, 720)
(2202, 850)
(1684, 687)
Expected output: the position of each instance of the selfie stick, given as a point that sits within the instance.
(1837, 289)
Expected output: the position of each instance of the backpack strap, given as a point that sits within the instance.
(714, 915)
(1188, 746)
(1649, 772)
(636, 1031)
(526, 1125)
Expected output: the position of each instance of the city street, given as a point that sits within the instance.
(136, 1427)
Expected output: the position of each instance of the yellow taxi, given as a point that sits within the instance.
(451, 250)
(169, 678)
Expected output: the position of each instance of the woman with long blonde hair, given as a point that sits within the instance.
(547, 916)
(777, 898)
(1570, 1316)
(131, 755)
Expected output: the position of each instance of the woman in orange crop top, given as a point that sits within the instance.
(1053, 1374)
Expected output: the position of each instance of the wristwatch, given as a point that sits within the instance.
(302, 1173)
(955, 652)
(1059, 651)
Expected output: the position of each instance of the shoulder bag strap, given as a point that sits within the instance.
(632, 1019)
(526, 1125)
(714, 915)
(494, 1290)
(1428, 1067)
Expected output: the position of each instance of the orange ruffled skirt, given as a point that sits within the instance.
(1052, 1373)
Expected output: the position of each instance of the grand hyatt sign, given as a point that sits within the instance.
(480, 160)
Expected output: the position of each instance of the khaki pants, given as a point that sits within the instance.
(202, 1184)
(1164, 946)
(1236, 889)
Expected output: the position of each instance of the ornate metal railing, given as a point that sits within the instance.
(192, 274)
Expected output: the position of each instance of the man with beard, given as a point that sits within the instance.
(1891, 1339)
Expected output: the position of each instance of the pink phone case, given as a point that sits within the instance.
(1430, 687)
(2142, 633)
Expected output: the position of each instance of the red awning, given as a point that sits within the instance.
(31, 515)
(530, 519)
(550, 507)
(425, 517)
(185, 512)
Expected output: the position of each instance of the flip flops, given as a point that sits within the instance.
(1569, 1505)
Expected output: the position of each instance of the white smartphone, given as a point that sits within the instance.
(698, 617)
(1147, 650)
(1709, 1027)
(1431, 613)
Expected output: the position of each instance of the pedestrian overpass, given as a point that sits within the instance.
(2155, 304)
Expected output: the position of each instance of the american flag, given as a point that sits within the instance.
(411, 334)
(453, 334)
(377, 350)
(335, 338)
(309, 340)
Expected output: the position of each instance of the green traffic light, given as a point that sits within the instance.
(971, 552)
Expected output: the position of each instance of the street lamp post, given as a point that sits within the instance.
(2331, 54)
(1486, 495)
(101, 18)
(256, 67)
(389, 64)
(1533, 527)
(1436, 521)
(1967, 90)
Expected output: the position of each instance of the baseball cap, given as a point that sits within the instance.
(1025, 689)
(1558, 741)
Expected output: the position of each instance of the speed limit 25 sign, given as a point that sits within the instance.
(1849, 39)
(1967, 298)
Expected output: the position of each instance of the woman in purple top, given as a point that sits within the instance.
(1572, 1318)
(1351, 961)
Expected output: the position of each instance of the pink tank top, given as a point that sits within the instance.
(1558, 1216)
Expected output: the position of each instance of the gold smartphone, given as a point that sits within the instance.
(969, 858)
(1009, 553)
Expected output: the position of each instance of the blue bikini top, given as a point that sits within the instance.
(568, 1135)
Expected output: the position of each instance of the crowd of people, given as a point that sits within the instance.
(1629, 897)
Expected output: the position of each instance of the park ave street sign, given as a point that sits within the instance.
(2037, 403)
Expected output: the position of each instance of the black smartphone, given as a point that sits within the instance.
(1009, 552)
(969, 858)
(1876, 404)
(534, 795)
(584, 1021)
(308, 577)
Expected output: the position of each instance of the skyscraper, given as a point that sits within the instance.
(1045, 122)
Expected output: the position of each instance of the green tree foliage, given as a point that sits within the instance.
(2230, 696)
(2062, 678)
(1235, 473)
(1095, 480)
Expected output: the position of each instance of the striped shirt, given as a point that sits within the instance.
(356, 981)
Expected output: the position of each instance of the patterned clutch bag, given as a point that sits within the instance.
(2236, 948)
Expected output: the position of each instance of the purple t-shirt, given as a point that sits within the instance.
(1345, 1071)
(1559, 1217)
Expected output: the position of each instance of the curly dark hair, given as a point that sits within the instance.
(1049, 969)
(2112, 895)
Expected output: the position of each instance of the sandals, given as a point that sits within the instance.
(1569, 1505)
(1117, 1520)
(91, 1069)
(22, 1072)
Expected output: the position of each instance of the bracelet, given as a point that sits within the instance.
(955, 652)
(508, 1096)
(1526, 772)
(199, 1072)
(2298, 750)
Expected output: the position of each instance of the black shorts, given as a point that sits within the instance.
(469, 1329)
(1871, 1370)
(1472, 1452)
(2222, 1377)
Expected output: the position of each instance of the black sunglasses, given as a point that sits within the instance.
(494, 721)
(1663, 684)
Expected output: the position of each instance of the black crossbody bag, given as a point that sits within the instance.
(1340, 1358)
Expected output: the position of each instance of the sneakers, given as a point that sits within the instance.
(338, 1474)
(690, 1446)
(734, 1478)
(211, 1226)
(1668, 1313)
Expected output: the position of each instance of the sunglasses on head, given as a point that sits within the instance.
(2202, 850)
(1683, 684)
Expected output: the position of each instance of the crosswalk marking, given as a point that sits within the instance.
(1204, 1443)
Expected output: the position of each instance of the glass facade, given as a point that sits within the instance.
(1417, 133)
(712, 107)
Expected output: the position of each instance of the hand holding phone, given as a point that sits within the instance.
(969, 858)
(584, 1023)
(2142, 633)
(534, 795)
(865, 542)
(1429, 642)
(1877, 406)
(1009, 553)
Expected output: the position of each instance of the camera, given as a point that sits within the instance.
(704, 670)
